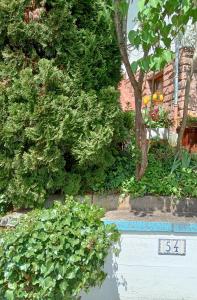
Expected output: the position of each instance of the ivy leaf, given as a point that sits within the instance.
(67, 261)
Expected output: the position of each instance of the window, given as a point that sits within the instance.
(156, 83)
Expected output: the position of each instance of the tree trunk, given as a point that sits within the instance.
(193, 70)
(140, 129)
(141, 141)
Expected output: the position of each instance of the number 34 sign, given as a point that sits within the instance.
(172, 247)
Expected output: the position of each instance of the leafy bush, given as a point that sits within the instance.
(118, 166)
(55, 253)
(183, 159)
(59, 69)
(5, 205)
(159, 178)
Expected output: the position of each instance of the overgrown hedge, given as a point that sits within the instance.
(60, 122)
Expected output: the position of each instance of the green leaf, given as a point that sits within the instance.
(167, 55)
(141, 4)
(167, 42)
(9, 295)
(134, 66)
(71, 275)
(154, 3)
(175, 20)
(145, 64)
(132, 36)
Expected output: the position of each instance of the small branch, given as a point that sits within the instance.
(123, 48)
(141, 72)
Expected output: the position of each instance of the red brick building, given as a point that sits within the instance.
(164, 82)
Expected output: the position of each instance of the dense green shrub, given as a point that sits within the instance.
(5, 205)
(159, 178)
(120, 165)
(55, 253)
(60, 119)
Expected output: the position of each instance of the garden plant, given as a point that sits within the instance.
(60, 121)
(55, 253)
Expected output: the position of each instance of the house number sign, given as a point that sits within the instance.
(172, 247)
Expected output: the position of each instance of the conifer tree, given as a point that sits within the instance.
(59, 69)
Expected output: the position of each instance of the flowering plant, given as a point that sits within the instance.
(156, 117)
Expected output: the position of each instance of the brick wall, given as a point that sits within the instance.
(185, 60)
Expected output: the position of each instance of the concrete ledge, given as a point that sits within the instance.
(114, 201)
(185, 228)
(140, 226)
(187, 206)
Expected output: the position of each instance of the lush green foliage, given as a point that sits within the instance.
(121, 165)
(4, 205)
(160, 22)
(55, 253)
(59, 116)
(165, 175)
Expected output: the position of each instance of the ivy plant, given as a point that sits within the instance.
(55, 253)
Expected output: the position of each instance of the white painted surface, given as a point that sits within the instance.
(139, 273)
(157, 133)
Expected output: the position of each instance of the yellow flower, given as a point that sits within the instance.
(146, 100)
(155, 96)
(161, 98)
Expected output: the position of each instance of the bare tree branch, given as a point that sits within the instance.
(123, 48)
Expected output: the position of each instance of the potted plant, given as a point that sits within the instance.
(156, 118)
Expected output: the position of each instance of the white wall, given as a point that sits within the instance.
(139, 273)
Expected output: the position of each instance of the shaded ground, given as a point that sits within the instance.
(155, 216)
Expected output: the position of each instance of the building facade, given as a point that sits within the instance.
(170, 82)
